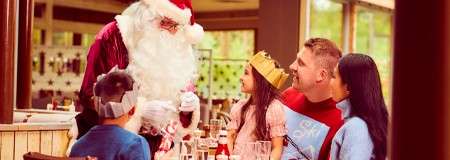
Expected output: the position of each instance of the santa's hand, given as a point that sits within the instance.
(189, 102)
(156, 113)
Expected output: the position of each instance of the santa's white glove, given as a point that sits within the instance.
(189, 102)
(157, 113)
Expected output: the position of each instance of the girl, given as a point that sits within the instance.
(356, 86)
(260, 117)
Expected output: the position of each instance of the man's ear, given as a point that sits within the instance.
(322, 75)
(132, 110)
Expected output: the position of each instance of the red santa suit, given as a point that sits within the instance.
(153, 40)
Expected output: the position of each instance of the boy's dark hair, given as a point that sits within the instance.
(114, 84)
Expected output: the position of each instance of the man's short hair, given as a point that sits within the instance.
(326, 52)
(114, 84)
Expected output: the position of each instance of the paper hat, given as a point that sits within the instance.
(265, 66)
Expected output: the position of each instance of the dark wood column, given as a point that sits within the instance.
(420, 116)
(7, 32)
(23, 99)
(278, 31)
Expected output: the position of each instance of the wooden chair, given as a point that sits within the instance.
(40, 156)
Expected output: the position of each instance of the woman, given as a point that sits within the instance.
(260, 117)
(356, 86)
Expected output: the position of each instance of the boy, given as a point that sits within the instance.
(115, 99)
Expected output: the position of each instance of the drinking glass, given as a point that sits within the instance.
(187, 147)
(263, 150)
(214, 125)
(202, 149)
(186, 157)
(249, 150)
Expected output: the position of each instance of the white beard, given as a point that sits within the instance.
(161, 63)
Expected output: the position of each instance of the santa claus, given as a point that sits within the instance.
(152, 39)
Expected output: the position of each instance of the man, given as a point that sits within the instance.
(312, 116)
(115, 98)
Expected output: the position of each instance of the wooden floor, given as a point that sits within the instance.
(18, 139)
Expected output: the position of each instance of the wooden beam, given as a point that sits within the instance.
(24, 54)
(447, 72)
(278, 31)
(96, 5)
(304, 22)
(226, 14)
(228, 23)
(70, 26)
(382, 4)
(76, 27)
(349, 28)
(352, 27)
(419, 100)
(7, 44)
(48, 20)
(228, 20)
(82, 15)
(39, 23)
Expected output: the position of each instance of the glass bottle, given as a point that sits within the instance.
(222, 152)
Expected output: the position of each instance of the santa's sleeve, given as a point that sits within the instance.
(94, 68)
(107, 51)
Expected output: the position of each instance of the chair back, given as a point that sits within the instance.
(40, 156)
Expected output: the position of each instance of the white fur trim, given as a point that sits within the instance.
(124, 23)
(168, 9)
(194, 33)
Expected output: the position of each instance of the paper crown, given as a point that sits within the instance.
(265, 66)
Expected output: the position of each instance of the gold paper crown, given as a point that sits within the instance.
(265, 66)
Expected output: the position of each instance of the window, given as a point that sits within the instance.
(87, 39)
(326, 20)
(373, 37)
(62, 38)
(37, 38)
(230, 50)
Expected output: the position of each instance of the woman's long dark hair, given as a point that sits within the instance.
(264, 94)
(361, 75)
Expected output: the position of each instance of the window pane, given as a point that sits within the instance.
(62, 38)
(37, 37)
(373, 37)
(230, 50)
(326, 20)
(87, 39)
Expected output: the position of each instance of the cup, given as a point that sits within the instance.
(263, 150)
(249, 150)
(187, 147)
(214, 125)
(186, 157)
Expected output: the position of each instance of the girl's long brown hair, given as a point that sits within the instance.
(264, 94)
